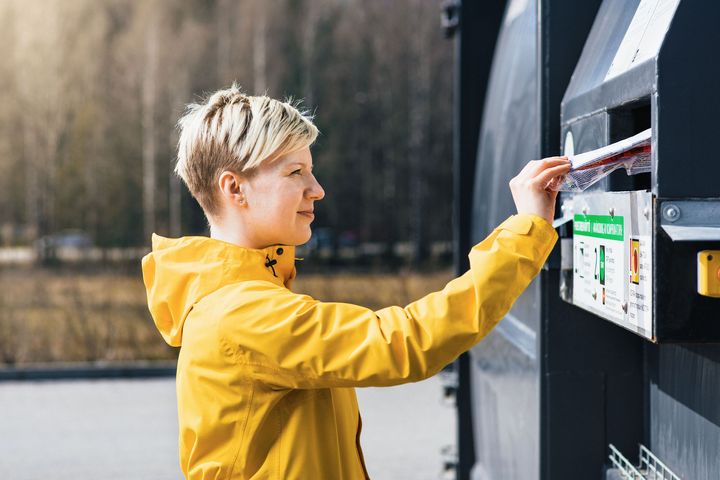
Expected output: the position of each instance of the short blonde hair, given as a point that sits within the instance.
(236, 132)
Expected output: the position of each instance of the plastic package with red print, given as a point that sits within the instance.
(633, 154)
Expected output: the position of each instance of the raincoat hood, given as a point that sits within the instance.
(179, 272)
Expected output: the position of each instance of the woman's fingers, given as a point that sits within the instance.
(544, 177)
(534, 167)
(539, 172)
(529, 186)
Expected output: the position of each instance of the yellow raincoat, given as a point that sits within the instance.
(266, 377)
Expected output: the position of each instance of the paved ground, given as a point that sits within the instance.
(127, 429)
(404, 429)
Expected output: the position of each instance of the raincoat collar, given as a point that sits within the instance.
(275, 264)
(179, 272)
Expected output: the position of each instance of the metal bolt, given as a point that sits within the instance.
(624, 307)
(612, 211)
(646, 212)
(671, 212)
(585, 210)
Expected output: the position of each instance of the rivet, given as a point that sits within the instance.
(671, 212)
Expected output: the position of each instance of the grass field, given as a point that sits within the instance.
(65, 316)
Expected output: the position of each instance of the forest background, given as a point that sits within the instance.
(90, 93)
(91, 90)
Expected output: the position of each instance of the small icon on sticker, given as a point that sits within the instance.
(635, 261)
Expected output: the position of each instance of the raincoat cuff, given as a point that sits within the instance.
(533, 226)
(523, 223)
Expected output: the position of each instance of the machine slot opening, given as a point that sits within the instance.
(624, 122)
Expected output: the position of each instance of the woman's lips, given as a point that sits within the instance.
(309, 215)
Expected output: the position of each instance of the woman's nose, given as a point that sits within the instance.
(315, 191)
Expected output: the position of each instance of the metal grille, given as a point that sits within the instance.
(650, 468)
(656, 470)
(627, 469)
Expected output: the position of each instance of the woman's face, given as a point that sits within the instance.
(280, 199)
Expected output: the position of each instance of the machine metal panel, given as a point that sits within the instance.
(618, 64)
(684, 408)
(681, 314)
(504, 367)
(590, 90)
(509, 136)
(597, 384)
(668, 82)
(603, 41)
(505, 387)
(537, 48)
(689, 102)
(620, 89)
(475, 39)
(643, 36)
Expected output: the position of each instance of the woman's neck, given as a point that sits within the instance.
(233, 234)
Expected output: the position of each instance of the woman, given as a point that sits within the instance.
(265, 376)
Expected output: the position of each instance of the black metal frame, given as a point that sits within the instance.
(479, 24)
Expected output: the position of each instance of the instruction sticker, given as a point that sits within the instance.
(640, 284)
(599, 275)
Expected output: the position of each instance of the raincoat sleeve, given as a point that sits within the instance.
(290, 340)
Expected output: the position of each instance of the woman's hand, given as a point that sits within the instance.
(529, 187)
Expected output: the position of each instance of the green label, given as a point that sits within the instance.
(599, 226)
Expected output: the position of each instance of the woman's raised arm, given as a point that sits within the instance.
(290, 340)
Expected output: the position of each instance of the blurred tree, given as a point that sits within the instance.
(91, 91)
(149, 102)
(259, 43)
(419, 122)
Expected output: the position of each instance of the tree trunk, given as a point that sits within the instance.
(311, 19)
(224, 40)
(419, 116)
(260, 85)
(181, 92)
(148, 127)
(32, 186)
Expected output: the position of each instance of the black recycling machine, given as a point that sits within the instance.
(608, 366)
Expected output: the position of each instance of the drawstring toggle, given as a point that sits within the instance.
(270, 263)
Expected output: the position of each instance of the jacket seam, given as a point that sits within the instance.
(268, 367)
(279, 456)
(292, 374)
(241, 442)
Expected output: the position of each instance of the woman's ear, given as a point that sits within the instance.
(232, 188)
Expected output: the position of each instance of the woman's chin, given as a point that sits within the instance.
(305, 239)
(300, 238)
